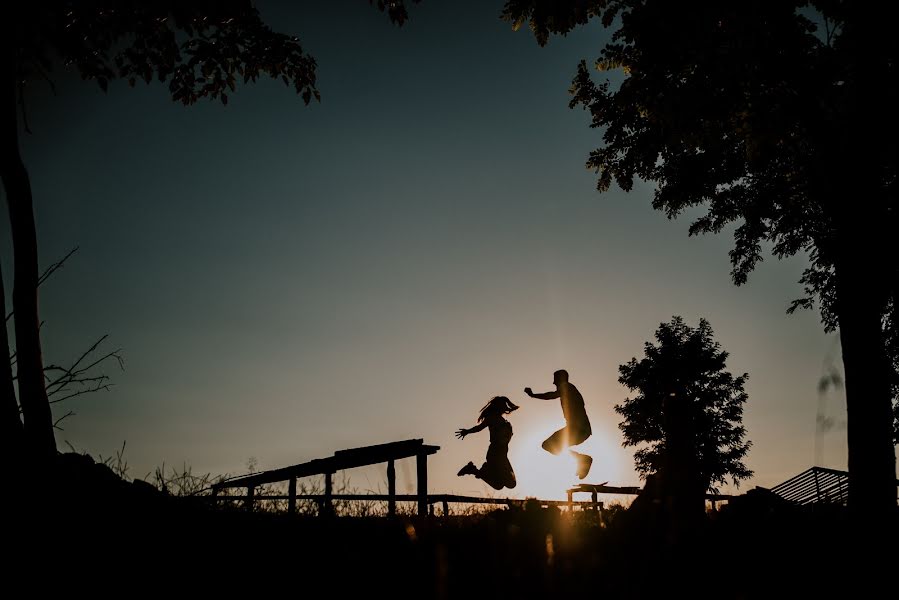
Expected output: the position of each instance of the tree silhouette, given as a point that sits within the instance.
(201, 49)
(776, 117)
(63, 382)
(687, 410)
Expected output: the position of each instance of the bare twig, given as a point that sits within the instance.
(60, 419)
(56, 266)
(77, 374)
(48, 272)
(80, 392)
(65, 383)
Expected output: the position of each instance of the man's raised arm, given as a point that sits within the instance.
(544, 396)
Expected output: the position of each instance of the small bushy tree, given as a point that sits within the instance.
(687, 409)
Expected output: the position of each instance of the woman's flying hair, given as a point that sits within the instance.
(498, 405)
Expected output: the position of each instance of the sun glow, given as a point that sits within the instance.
(543, 475)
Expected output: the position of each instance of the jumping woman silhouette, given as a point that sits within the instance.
(497, 470)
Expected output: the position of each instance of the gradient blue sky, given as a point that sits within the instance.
(287, 281)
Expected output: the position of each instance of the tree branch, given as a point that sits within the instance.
(48, 272)
(60, 419)
(78, 376)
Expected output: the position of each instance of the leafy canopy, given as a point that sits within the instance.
(687, 366)
(201, 48)
(777, 116)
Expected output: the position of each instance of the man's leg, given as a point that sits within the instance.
(578, 434)
(557, 442)
(584, 462)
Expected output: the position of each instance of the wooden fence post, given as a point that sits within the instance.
(421, 463)
(292, 496)
(327, 504)
(248, 501)
(391, 488)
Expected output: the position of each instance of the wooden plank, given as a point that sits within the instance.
(801, 492)
(795, 486)
(633, 491)
(456, 499)
(402, 445)
(608, 489)
(369, 455)
(342, 459)
(777, 489)
(406, 447)
(307, 469)
(814, 483)
(605, 489)
(833, 472)
(354, 460)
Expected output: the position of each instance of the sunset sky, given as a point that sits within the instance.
(286, 281)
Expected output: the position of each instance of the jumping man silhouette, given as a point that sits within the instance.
(577, 425)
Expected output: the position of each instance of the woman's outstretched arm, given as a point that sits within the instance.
(463, 432)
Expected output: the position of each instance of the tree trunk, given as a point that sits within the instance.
(683, 496)
(38, 419)
(865, 267)
(12, 433)
(872, 459)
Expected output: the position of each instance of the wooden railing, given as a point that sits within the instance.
(594, 489)
(433, 499)
(342, 459)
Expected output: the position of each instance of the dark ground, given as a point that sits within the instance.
(90, 531)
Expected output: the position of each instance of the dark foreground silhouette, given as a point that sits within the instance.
(496, 471)
(577, 425)
(86, 530)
